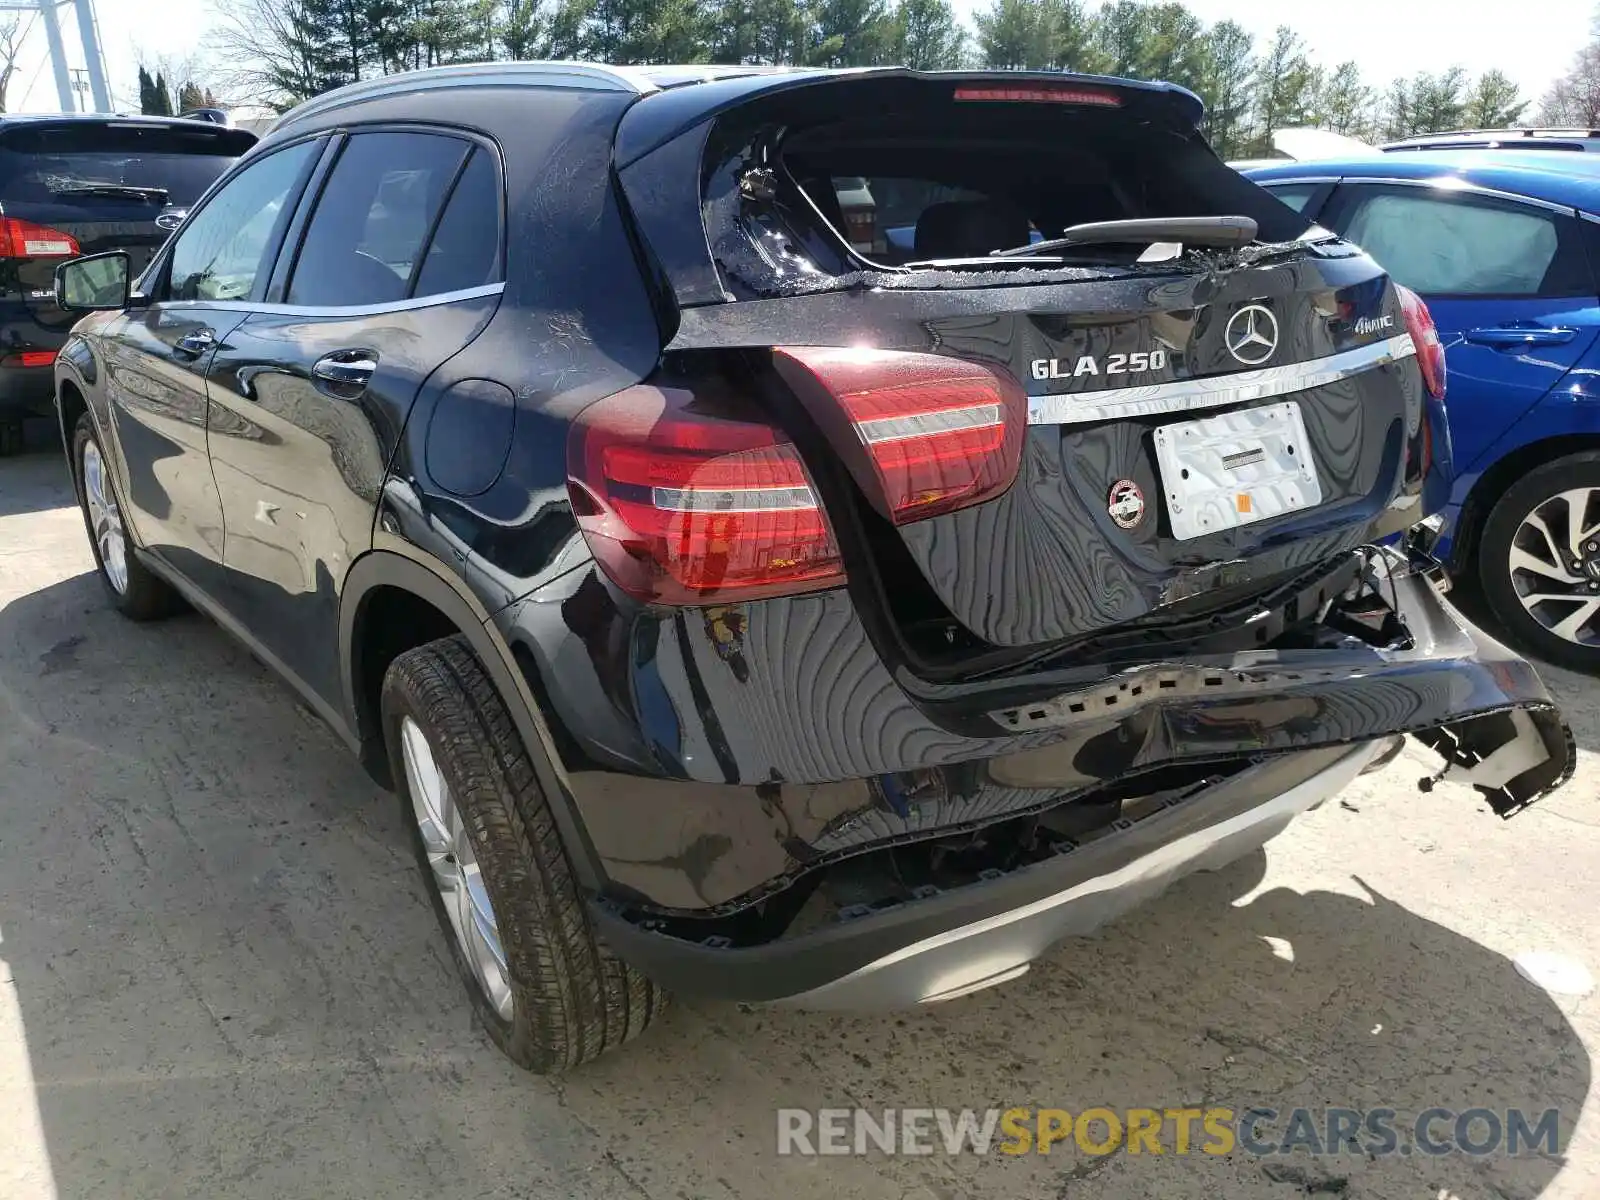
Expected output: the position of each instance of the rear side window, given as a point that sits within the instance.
(465, 249)
(1443, 244)
(94, 167)
(366, 237)
(1295, 195)
(225, 252)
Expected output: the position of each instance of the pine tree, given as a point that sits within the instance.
(1227, 85)
(160, 97)
(1176, 49)
(147, 89)
(1495, 102)
(1399, 110)
(1070, 28)
(1012, 35)
(851, 33)
(1438, 103)
(190, 97)
(927, 35)
(1123, 37)
(1345, 104)
(1286, 86)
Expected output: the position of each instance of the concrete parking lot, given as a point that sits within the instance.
(219, 976)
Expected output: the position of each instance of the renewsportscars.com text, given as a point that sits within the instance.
(1254, 1129)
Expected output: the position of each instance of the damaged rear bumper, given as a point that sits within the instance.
(1287, 729)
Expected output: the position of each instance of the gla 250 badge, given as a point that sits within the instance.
(1136, 363)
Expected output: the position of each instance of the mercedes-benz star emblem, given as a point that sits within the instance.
(1252, 335)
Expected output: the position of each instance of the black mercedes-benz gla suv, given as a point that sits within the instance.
(741, 610)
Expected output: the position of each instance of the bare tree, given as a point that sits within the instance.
(1575, 98)
(270, 61)
(12, 33)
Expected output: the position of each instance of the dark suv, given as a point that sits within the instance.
(72, 185)
(735, 613)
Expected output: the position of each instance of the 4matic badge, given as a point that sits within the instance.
(1125, 503)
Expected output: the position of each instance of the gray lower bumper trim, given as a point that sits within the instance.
(1000, 947)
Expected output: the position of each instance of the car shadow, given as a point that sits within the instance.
(36, 479)
(219, 976)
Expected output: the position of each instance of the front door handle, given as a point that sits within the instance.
(346, 370)
(1520, 337)
(197, 343)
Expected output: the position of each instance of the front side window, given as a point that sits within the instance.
(365, 240)
(225, 252)
(1441, 244)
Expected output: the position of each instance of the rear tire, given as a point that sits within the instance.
(13, 437)
(134, 591)
(1516, 561)
(549, 994)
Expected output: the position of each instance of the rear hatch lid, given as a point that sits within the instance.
(1082, 444)
(74, 186)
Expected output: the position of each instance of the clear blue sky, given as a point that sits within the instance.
(1387, 37)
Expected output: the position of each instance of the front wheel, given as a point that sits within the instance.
(134, 591)
(1539, 561)
(549, 994)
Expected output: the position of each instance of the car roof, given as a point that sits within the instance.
(1538, 138)
(1569, 180)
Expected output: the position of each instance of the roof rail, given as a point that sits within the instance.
(592, 76)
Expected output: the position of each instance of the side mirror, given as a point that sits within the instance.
(94, 283)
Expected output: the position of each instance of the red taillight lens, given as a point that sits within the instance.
(684, 502)
(1425, 336)
(24, 239)
(29, 358)
(940, 433)
(1042, 94)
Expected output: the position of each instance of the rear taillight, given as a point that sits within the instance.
(29, 358)
(24, 239)
(686, 502)
(1425, 336)
(938, 433)
(1045, 94)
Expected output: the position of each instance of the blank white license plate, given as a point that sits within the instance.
(1234, 468)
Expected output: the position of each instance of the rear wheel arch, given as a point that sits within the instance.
(1498, 479)
(389, 586)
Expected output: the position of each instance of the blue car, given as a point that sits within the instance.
(1505, 248)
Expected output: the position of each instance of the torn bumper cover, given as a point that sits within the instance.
(1458, 691)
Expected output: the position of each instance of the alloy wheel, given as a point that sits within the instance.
(455, 869)
(1555, 565)
(105, 518)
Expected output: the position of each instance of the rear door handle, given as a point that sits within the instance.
(198, 342)
(347, 370)
(1520, 337)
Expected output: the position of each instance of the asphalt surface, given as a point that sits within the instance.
(219, 976)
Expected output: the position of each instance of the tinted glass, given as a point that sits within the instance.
(225, 252)
(373, 217)
(1446, 245)
(1294, 195)
(79, 167)
(465, 251)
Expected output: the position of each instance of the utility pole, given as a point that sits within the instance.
(89, 37)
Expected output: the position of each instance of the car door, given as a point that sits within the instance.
(158, 354)
(397, 269)
(1507, 280)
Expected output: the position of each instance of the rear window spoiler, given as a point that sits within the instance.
(656, 119)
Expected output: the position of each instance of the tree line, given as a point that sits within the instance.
(287, 50)
(159, 100)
